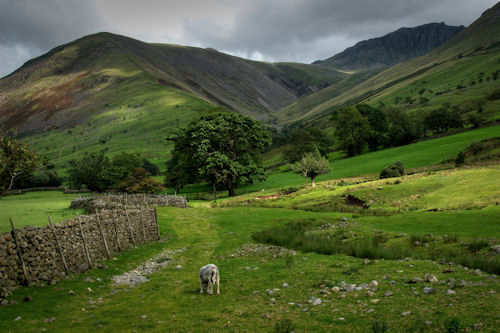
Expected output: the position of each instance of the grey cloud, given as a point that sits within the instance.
(30, 27)
(286, 29)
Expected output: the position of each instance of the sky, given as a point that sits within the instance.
(272, 30)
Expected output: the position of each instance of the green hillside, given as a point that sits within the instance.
(465, 68)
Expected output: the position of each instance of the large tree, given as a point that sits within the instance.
(16, 160)
(220, 147)
(351, 130)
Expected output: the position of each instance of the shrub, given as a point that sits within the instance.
(394, 170)
(460, 159)
(140, 182)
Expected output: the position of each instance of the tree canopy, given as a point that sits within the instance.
(220, 147)
(311, 166)
(16, 160)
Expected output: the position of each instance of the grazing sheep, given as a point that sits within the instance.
(209, 275)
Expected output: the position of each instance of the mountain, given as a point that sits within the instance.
(463, 73)
(114, 93)
(396, 47)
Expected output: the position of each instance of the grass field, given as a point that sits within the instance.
(170, 301)
(33, 209)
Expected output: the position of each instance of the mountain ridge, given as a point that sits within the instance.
(393, 48)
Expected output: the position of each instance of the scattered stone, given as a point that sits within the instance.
(428, 323)
(477, 326)
(387, 277)
(267, 315)
(291, 303)
(367, 261)
(370, 293)
(392, 282)
(415, 279)
(431, 278)
(52, 282)
(178, 267)
(144, 316)
(90, 290)
(18, 318)
(448, 270)
(247, 268)
(495, 248)
(305, 309)
(450, 292)
(373, 283)
(4, 302)
(388, 293)
(478, 272)
(429, 290)
(49, 320)
(349, 287)
(269, 291)
(399, 271)
(316, 301)
(335, 289)
(28, 299)
(370, 310)
(71, 292)
(406, 313)
(341, 318)
(285, 285)
(89, 279)
(374, 301)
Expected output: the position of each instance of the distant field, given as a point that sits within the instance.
(33, 209)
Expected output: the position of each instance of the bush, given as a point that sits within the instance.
(394, 170)
(460, 159)
(140, 182)
(152, 168)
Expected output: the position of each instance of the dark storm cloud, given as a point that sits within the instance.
(29, 28)
(307, 30)
(271, 30)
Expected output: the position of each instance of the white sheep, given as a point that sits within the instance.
(209, 275)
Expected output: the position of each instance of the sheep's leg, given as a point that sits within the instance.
(217, 281)
(210, 288)
(201, 286)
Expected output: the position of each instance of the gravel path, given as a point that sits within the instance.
(138, 275)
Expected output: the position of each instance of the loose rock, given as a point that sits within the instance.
(431, 278)
(429, 290)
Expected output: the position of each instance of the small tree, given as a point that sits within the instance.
(15, 160)
(311, 166)
(140, 182)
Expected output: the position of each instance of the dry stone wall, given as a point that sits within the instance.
(109, 201)
(46, 253)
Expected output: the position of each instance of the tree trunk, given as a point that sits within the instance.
(214, 190)
(231, 191)
(306, 180)
(312, 182)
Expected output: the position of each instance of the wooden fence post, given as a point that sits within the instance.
(157, 224)
(166, 200)
(116, 231)
(84, 241)
(102, 234)
(19, 253)
(59, 249)
(142, 224)
(129, 227)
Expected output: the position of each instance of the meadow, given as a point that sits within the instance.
(34, 208)
(253, 297)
